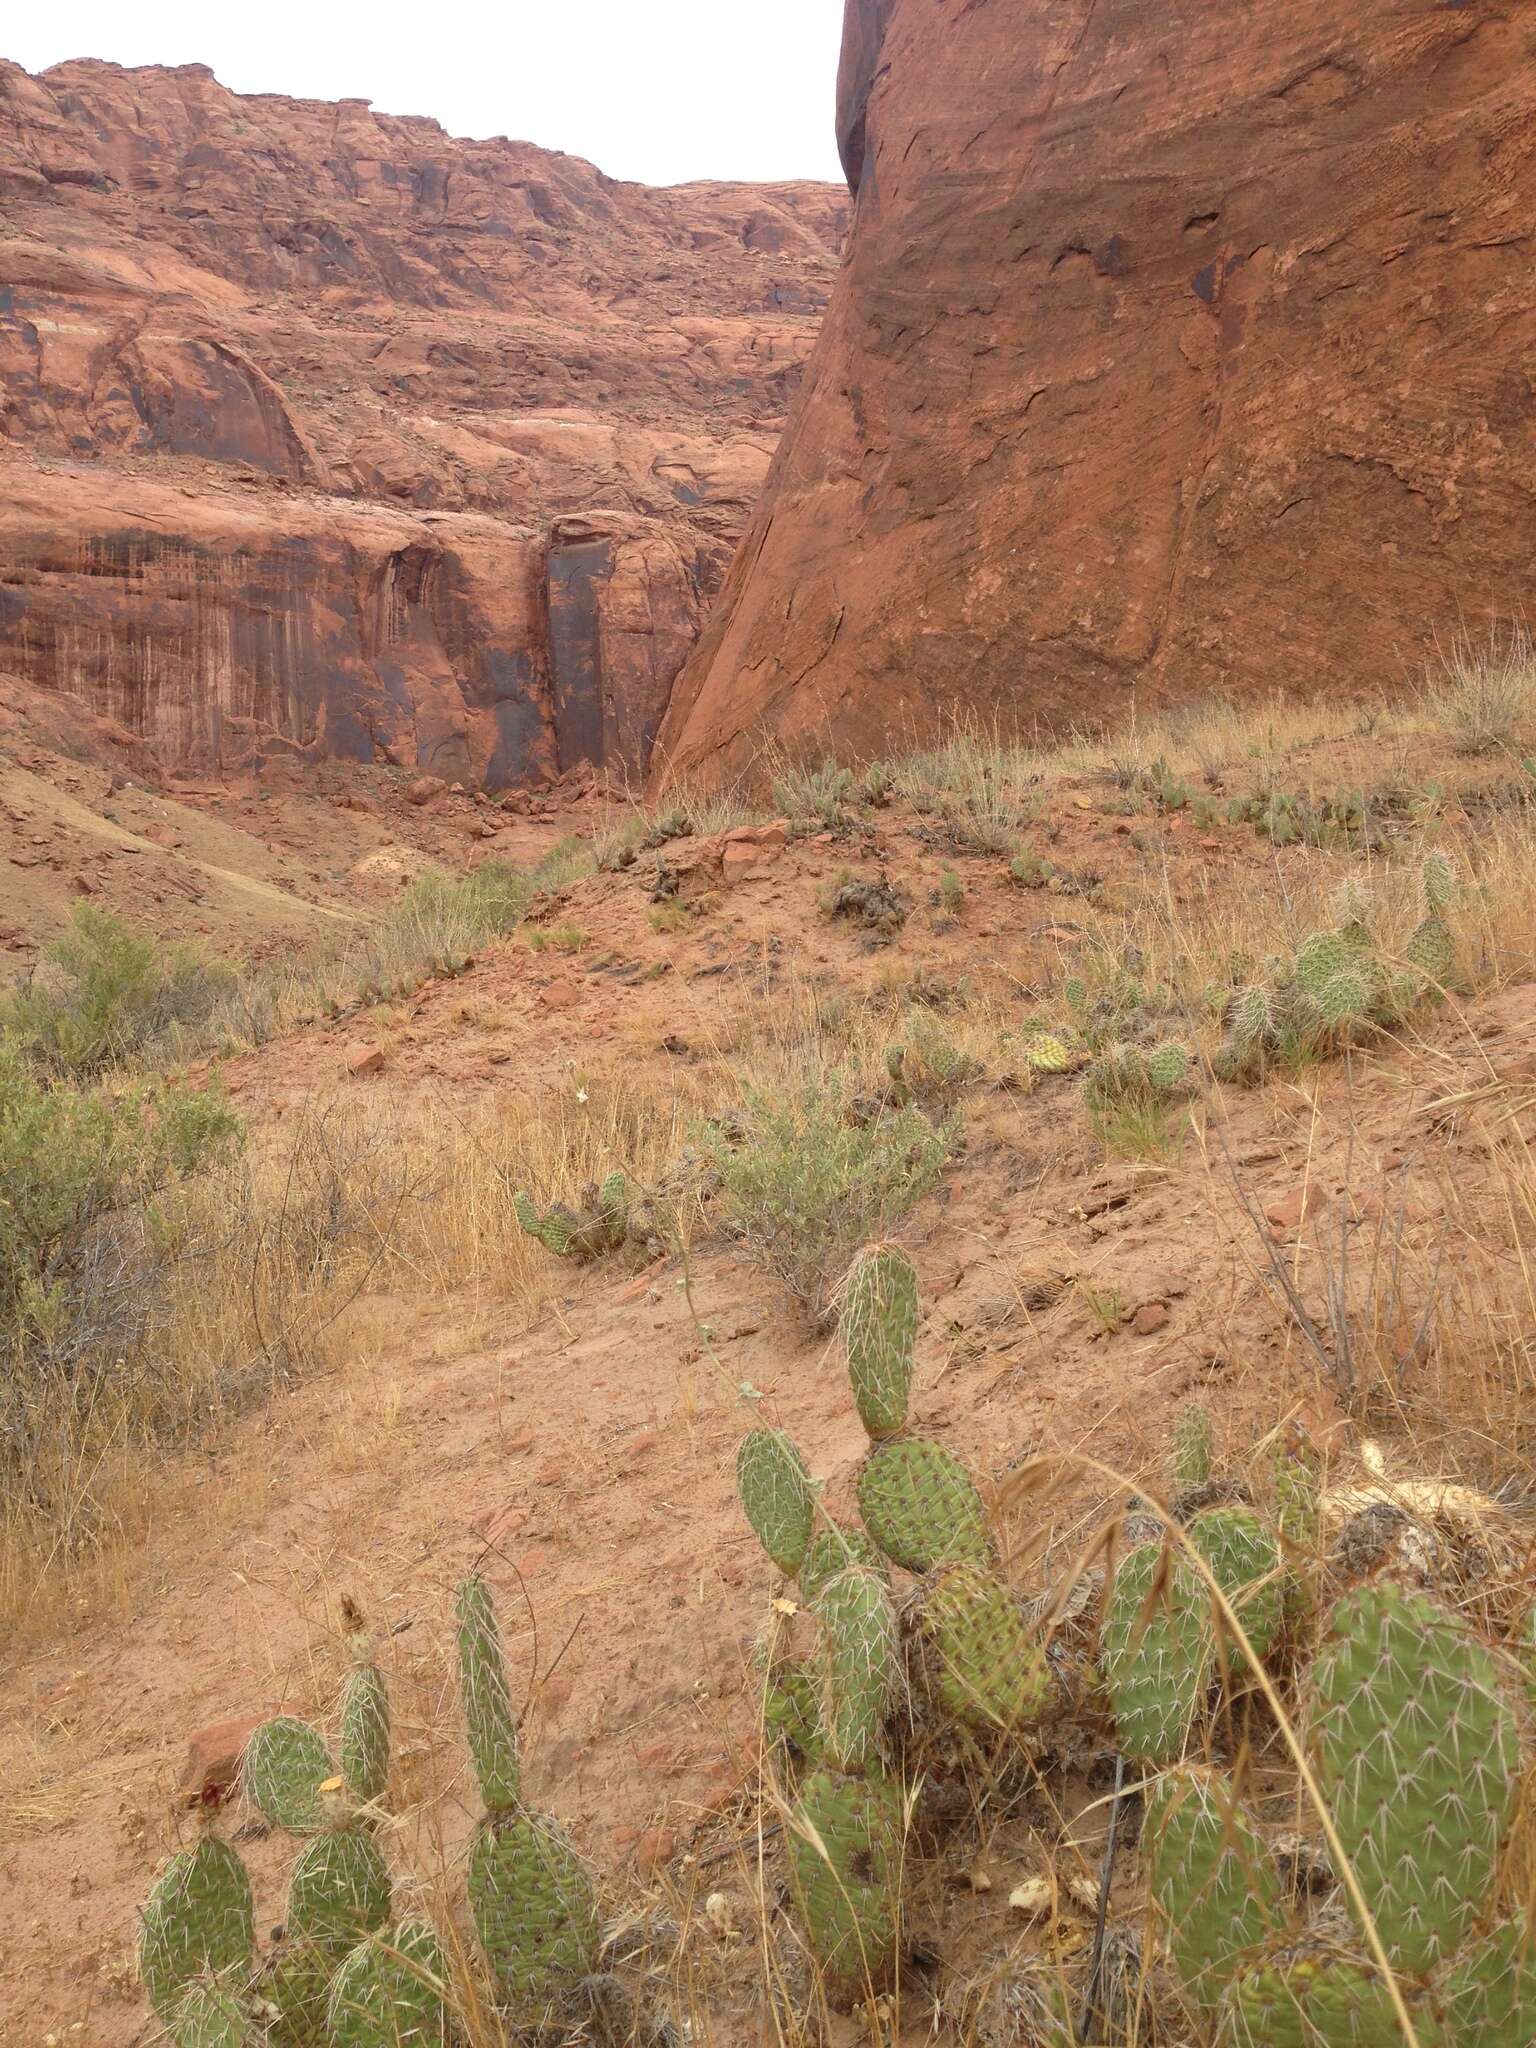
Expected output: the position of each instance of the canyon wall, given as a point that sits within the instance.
(1179, 349)
(325, 433)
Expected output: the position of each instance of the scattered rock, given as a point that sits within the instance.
(1149, 1318)
(424, 790)
(560, 995)
(213, 1759)
(365, 1059)
(1296, 1208)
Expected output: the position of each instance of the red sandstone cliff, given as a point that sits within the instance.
(1179, 348)
(325, 431)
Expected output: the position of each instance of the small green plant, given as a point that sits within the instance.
(558, 938)
(951, 892)
(802, 1186)
(611, 1213)
(814, 798)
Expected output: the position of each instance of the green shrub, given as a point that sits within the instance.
(104, 994)
(804, 1184)
(71, 1159)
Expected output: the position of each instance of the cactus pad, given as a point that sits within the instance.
(1049, 1054)
(777, 1494)
(1418, 1756)
(1167, 1067)
(365, 1734)
(1192, 1457)
(1320, 958)
(988, 1666)
(845, 1870)
(830, 1551)
(858, 1666)
(198, 1923)
(790, 1710)
(286, 1763)
(526, 1210)
(211, 2017)
(1309, 1997)
(339, 1891)
(489, 1718)
(1155, 1651)
(533, 1907)
(879, 1330)
(1489, 1995)
(293, 1991)
(1210, 1877)
(1432, 950)
(921, 1506)
(389, 1991)
(1244, 1560)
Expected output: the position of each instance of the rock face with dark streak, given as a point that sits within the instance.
(322, 432)
(1179, 349)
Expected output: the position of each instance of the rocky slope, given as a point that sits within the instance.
(1177, 350)
(324, 432)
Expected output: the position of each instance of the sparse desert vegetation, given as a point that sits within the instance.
(1200, 1365)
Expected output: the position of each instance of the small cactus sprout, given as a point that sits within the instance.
(286, 1763)
(489, 1716)
(845, 1852)
(830, 1551)
(859, 1664)
(1155, 1651)
(339, 1891)
(878, 1324)
(1048, 1053)
(921, 1506)
(210, 2016)
(1211, 1878)
(1244, 1560)
(1418, 1756)
(199, 1925)
(987, 1665)
(388, 1992)
(778, 1496)
(533, 1906)
(1192, 1456)
(365, 1734)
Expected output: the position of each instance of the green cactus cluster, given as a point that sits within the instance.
(609, 1214)
(1414, 1747)
(1125, 1074)
(984, 1665)
(1339, 985)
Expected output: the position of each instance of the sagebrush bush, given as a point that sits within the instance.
(105, 994)
(804, 1182)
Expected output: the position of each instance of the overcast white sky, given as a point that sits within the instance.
(659, 90)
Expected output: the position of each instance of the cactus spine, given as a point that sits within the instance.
(878, 1326)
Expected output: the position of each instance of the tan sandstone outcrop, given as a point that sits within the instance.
(1179, 349)
(324, 431)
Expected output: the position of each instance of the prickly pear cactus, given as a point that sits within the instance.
(791, 1711)
(533, 1907)
(1211, 1880)
(845, 1854)
(1049, 1053)
(878, 1325)
(921, 1506)
(526, 1210)
(858, 1666)
(1418, 1757)
(365, 1734)
(1309, 1996)
(489, 1718)
(830, 1551)
(558, 1230)
(388, 1992)
(339, 1891)
(1432, 951)
(1320, 958)
(1244, 1560)
(1167, 1067)
(777, 1494)
(987, 1665)
(286, 1763)
(198, 1924)
(1155, 1647)
(613, 1204)
(209, 2016)
(1489, 1996)
(1192, 1454)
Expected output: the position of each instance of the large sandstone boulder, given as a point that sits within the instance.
(1179, 348)
(324, 432)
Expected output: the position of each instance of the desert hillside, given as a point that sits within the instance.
(324, 433)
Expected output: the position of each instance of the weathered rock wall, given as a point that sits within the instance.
(1178, 349)
(324, 431)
